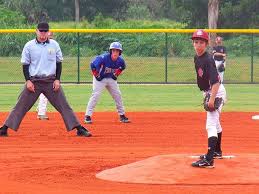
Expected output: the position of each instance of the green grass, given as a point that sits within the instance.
(139, 69)
(242, 98)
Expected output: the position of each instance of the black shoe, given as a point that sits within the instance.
(216, 155)
(3, 132)
(203, 163)
(88, 119)
(124, 119)
(83, 132)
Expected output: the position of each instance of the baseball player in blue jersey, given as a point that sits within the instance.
(42, 64)
(214, 92)
(105, 69)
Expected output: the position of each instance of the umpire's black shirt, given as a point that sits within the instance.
(206, 71)
(219, 49)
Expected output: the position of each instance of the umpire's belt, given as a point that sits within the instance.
(43, 77)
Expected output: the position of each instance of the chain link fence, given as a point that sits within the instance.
(151, 57)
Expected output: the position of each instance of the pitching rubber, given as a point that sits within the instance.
(255, 117)
(223, 157)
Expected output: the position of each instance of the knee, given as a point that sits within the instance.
(96, 94)
(212, 132)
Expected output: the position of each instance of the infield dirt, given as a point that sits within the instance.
(43, 158)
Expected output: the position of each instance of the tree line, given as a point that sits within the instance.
(193, 13)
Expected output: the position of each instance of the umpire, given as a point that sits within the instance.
(42, 64)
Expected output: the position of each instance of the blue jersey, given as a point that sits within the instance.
(106, 66)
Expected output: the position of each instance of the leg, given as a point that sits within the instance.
(115, 92)
(218, 150)
(211, 126)
(206, 161)
(25, 101)
(222, 94)
(98, 87)
(58, 100)
(221, 75)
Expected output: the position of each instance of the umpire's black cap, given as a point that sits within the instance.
(43, 26)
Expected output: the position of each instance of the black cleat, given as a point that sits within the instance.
(83, 132)
(3, 132)
(216, 155)
(124, 119)
(88, 119)
(203, 163)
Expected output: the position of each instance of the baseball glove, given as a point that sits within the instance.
(218, 101)
(221, 67)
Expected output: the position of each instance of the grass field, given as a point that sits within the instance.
(140, 69)
(241, 97)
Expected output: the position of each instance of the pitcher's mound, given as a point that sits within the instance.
(177, 169)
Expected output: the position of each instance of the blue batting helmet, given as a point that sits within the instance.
(116, 45)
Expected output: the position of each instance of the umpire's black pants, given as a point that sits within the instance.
(27, 99)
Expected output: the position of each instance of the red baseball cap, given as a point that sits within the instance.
(200, 34)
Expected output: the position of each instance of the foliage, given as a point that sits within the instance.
(139, 12)
(194, 13)
(10, 19)
(241, 45)
(240, 15)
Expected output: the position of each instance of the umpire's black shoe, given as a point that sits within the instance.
(81, 131)
(124, 119)
(3, 132)
(203, 163)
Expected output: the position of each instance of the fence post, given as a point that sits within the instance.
(78, 58)
(166, 55)
(252, 58)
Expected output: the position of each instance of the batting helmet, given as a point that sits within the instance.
(200, 34)
(116, 45)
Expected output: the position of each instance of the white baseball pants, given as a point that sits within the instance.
(98, 87)
(42, 106)
(213, 125)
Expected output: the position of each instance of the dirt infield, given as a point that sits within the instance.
(43, 158)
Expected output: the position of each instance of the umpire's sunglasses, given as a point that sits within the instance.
(43, 30)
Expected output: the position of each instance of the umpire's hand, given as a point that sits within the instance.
(56, 85)
(30, 86)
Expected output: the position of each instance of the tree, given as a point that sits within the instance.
(77, 13)
(213, 14)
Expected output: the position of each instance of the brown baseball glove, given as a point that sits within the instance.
(218, 101)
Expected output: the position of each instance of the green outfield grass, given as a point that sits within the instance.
(139, 69)
(241, 98)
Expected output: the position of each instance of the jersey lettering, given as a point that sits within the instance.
(108, 70)
(200, 72)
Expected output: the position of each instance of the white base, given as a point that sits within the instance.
(255, 117)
